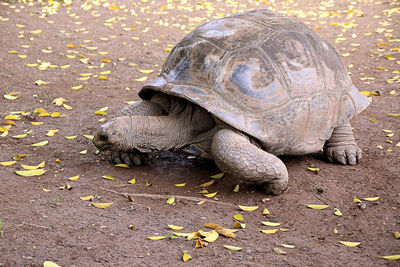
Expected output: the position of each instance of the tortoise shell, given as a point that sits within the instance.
(266, 75)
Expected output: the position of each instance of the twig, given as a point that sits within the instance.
(30, 224)
(157, 196)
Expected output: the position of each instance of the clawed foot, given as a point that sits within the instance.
(275, 187)
(129, 158)
(350, 154)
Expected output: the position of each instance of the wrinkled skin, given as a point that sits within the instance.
(168, 123)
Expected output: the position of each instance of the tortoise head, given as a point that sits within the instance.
(114, 135)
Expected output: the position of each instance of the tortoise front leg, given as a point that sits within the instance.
(142, 108)
(236, 155)
(342, 147)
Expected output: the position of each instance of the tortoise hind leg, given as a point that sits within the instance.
(342, 147)
(236, 155)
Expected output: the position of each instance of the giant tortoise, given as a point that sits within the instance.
(243, 90)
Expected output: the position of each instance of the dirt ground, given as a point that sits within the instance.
(98, 54)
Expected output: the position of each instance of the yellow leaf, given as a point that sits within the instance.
(238, 217)
(146, 71)
(217, 176)
(370, 198)
(287, 246)
(46, 190)
(248, 208)
(7, 163)
(132, 181)
(186, 257)
(391, 257)
(213, 226)
(105, 72)
(67, 107)
(65, 66)
(210, 194)
(394, 114)
(90, 137)
(207, 184)
(356, 200)
(270, 223)
(170, 200)
(40, 82)
(31, 172)
(70, 46)
(103, 78)
(156, 237)
(83, 152)
(397, 235)
(59, 101)
(335, 231)
(201, 202)
(76, 87)
(12, 117)
(175, 227)
(227, 232)
(74, 178)
(236, 189)
(55, 115)
(121, 165)
(211, 236)
(102, 205)
(279, 251)
(70, 137)
(233, 248)
(142, 79)
(147, 183)
(273, 231)
(50, 264)
(51, 132)
(109, 177)
(313, 169)
(350, 244)
(337, 212)
(100, 112)
(43, 143)
(28, 167)
(36, 32)
(180, 185)
(20, 136)
(37, 123)
(87, 197)
(317, 207)
(239, 225)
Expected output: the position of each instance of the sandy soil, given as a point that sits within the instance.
(42, 221)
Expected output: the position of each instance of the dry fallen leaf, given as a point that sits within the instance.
(370, 198)
(233, 248)
(87, 197)
(248, 208)
(350, 244)
(43, 143)
(217, 176)
(108, 177)
(279, 251)
(337, 212)
(156, 237)
(74, 178)
(175, 227)
(391, 257)
(170, 200)
(270, 223)
(207, 184)
(272, 231)
(50, 264)
(317, 207)
(238, 217)
(186, 257)
(210, 236)
(102, 205)
(29, 173)
(7, 163)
